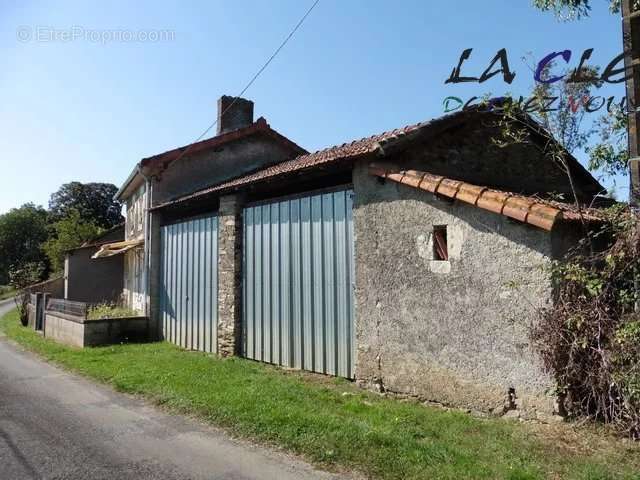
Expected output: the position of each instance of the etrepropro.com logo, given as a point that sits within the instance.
(75, 33)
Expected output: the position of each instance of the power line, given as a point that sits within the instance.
(253, 79)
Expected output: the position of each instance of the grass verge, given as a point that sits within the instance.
(334, 424)
(7, 292)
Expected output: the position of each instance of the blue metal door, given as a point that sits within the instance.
(189, 283)
(298, 283)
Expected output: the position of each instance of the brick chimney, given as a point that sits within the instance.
(238, 114)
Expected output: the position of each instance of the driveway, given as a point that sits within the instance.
(54, 425)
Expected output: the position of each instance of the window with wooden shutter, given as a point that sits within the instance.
(440, 250)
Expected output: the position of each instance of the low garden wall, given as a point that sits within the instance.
(81, 332)
(66, 322)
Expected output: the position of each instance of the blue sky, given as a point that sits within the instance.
(88, 110)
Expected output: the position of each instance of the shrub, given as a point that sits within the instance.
(590, 339)
(109, 310)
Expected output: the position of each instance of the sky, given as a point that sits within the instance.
(87, 89)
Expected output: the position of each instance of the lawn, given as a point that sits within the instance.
(335, 425)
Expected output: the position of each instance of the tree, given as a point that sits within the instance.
(609, 155)
(68, 233)
(572, 9)
(94, 203)
(566, 121)
(22, 232)
(20, 277)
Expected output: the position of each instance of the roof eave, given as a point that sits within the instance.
(523, 209)
(119, 196)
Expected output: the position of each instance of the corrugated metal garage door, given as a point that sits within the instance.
(189, 283)
(298, 276)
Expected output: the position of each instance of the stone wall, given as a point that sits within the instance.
(454, 331)
(155, 263)
(229, 275)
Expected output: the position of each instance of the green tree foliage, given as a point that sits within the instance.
(572, 9)
(566, 122)
(611, 154)
(92, 201)
(605, 140)
(20, 277)
(26, 274)
(22, 232)
(69, 232)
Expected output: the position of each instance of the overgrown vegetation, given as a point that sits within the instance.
(109, 310)
(334, 424)
(590, 338)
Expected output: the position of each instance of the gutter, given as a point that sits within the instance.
(128, 181)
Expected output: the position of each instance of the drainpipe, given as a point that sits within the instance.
(147, 242)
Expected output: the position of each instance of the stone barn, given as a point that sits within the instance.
(413, 261)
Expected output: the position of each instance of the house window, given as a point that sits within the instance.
(440, 248)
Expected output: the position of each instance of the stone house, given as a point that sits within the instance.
(411, 261)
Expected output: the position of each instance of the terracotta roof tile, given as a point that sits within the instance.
(358, 148)
(532, 210)
(259, 126)
(351, 150)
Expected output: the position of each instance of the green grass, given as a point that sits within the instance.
(7, 292)
(332, 423)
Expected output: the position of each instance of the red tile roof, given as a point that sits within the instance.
(329, 155)
(532, 210)
(259, 126)
(366, 146)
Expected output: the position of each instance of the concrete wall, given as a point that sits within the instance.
(63, 330)
(455, 332)
(93, 280)
(31, 315)
(79, 332)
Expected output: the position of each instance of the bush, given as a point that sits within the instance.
(109, 310)
(590, 339)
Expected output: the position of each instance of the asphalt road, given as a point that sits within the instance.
(54, 425)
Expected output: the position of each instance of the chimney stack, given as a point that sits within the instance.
(238, 114)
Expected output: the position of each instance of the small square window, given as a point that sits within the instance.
(440, 248)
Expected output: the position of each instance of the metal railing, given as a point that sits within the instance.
(68, 307)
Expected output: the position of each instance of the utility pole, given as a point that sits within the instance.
(631, 45)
